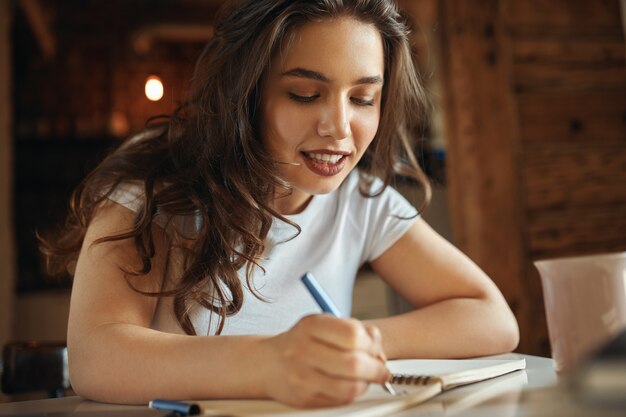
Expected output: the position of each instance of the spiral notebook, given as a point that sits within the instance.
(418, 380)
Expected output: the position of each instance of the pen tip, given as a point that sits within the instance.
(389, 388)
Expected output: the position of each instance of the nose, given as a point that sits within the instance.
(334, 121)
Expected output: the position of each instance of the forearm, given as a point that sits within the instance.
(454, 328)
(125, 363)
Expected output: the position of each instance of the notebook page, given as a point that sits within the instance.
(455, 372)
(463, 398)
(374, 403)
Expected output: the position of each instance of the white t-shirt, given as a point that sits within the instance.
(340, 231)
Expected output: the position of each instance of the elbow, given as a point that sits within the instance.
(498, 339)
(82, 389)
(497, 328)
(97, 373)
(503, 332)
(84, 380)
(506, 336)
(89, 379)
(510, 335)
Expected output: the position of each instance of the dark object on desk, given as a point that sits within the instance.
(181, 408)
(602, 379)
(35, 366)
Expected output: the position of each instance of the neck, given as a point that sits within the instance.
(293, 203)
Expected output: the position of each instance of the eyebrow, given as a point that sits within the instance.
(318, 76)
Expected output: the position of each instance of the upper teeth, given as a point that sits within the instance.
(324, 157)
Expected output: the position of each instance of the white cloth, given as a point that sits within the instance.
(340, 231)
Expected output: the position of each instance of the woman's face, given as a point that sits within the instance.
(321, 105)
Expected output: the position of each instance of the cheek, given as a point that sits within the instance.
(364, 129)
(282, 126)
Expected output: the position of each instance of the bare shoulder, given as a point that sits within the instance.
(103, 290)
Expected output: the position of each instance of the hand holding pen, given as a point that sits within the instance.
(326, 304)
(321, 361)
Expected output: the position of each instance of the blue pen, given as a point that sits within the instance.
(322, 299)
(327, 306)
(183, 408)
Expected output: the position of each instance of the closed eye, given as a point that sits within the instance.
(362, 102)
(303, 99)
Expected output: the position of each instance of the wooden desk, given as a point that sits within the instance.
(540, 393)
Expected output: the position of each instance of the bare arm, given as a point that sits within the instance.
(115, 357)
(459, 310)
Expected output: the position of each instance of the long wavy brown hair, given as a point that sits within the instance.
(207, 159)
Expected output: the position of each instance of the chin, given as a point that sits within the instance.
(321, 185)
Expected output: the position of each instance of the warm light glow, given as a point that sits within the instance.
(154, 88)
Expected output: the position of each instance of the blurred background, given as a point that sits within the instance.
(525, 141)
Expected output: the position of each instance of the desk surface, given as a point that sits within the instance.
(536, 392)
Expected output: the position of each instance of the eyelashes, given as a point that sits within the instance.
(362, 102)
(309, 99)
(303, 99)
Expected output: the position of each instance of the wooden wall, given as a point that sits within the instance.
(7, 250)
(535, 97)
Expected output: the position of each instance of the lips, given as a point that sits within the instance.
(324, 157)
(324, 162)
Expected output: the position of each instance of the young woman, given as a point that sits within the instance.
(192, 237)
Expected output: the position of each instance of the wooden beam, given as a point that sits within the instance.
(483, 140)
(573, 117)
(622, 5)
(145, 37)
(7, 241)
(565, 19)
(37, 20)
(570, 51)
(577, 231)
(573, 175)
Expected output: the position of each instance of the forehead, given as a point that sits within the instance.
(340, 45)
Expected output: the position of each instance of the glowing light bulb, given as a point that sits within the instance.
(154, 88)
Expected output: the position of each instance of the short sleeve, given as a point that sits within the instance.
(130, 194)
(390, 217)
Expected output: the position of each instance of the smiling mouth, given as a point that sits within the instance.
(324, 158)
(325, 163)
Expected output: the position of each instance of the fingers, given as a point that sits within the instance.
(343, 348)
(344, 334)
(377, 339)
(319, 389)
(356, 365)
(322, 361)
